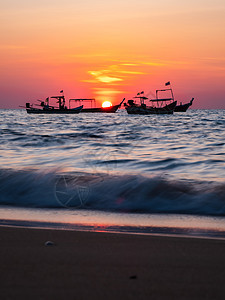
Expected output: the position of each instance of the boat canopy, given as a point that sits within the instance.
(82, 99)
(141, 97)
(159, 100)
(57, 97)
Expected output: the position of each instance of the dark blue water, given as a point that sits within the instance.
(115, 161)
(120, 163)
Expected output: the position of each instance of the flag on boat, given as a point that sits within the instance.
(47, 99)
(61, 91)
(167, 83)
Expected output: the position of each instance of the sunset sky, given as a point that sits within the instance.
(112, 49)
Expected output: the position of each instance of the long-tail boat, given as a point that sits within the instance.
(158, 105)
(181, 107)
(46, 108)
(110, 109)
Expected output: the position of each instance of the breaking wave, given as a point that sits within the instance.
(125, 193)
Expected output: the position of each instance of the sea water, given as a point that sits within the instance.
(114, 172)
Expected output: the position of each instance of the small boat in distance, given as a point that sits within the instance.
(109, 109)
(183, 107)
(159, 105)
(46, 108)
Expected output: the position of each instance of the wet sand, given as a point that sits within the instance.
(90, 265)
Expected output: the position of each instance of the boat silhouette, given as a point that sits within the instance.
(110, 109)
(46, 108)
(158, 105)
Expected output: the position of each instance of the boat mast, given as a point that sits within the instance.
(164, 90)
(142, 98)
(171, 89)
(63, 99)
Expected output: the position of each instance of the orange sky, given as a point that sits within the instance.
(111, 50)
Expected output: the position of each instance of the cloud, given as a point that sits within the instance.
(131, 72)
(114, 73)
(103, 91)
(142, 63)
(102, 76)
(129, 64)
(154, 64)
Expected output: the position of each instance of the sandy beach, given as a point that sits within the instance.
(90, 265)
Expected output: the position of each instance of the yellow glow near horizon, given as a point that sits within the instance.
(106, 104)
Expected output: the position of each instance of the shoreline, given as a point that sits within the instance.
(96, 265)
(167, 235)
(169, 231)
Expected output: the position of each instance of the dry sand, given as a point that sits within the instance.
(90, 265)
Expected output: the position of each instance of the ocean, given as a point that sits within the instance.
(154, 174)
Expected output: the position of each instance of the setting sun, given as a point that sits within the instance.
(106, 104)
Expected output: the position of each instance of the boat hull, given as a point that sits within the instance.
(111, 109)
(184, 107)
(141, 110)
(76, 110)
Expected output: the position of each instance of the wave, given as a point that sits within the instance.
(31, 139)
(125, 193)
